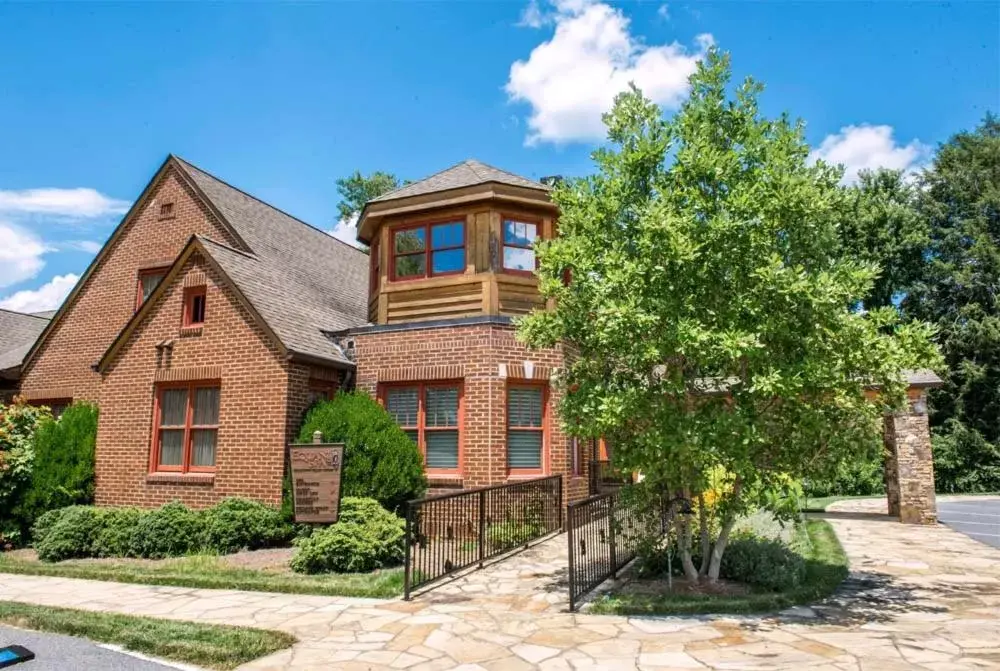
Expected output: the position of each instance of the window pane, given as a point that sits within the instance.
(447, 235)
(449, 261)
(173, 407)
(524, 449)
(197, 309)
(206, 406)
(519, 233)
(442, 449)
(401, 403)
(524, 407)
(441, 407)
(149, 283)
(203, 447)
(411, 265)
(171, 447)
(516, 258)
(411, 240)
(412, 435)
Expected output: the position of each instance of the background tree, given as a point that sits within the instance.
(958, 291)
(882, 227)
(703, 258)
(355, 190)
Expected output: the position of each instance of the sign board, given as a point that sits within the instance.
(316, 481)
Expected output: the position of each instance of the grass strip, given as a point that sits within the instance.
(210, 572)
(206, 645)
(826, 568)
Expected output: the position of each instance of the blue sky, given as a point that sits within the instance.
(282, 99)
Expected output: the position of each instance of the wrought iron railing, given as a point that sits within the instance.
(603, 533)
(604, 478)
(450, 532)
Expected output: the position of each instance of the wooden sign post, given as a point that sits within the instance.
(316, 473)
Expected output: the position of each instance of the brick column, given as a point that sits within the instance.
(909, 465)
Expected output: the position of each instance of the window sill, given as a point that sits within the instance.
(180, 478)
(445, 481)
(191, 331)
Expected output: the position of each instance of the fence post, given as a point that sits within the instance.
(572, 561)
(407, 562)
(559, 506)
(482, 526)
(612, 534)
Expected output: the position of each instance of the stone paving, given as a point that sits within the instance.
(918, 598)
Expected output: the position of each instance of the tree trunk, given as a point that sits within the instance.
(706, 542)
(719, 548)
(684, 545)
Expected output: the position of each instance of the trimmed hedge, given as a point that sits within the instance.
(169, 531)
(380, 461)
(366, 538)
(763, 562)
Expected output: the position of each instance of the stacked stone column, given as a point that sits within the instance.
(909, 464)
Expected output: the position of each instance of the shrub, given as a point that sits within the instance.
(380, 461)
(18, 423)
(366, 538)
(64, 461)
(241, 524)
(71, 535)
(509, 535)
(764, 562)
(168, 531)
(116, 535)
(44, 524)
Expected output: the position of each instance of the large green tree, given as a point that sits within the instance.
(357, 189)
(882, 227)
(714, 321)
(960, 199)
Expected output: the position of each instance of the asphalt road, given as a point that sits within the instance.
(976, 519)
(55, 652)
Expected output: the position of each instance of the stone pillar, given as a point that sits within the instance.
(909, 465)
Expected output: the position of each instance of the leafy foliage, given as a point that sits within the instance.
(356, 189)
(764, 562)
(64, 461)
(115, 536)
(960, 199)
(70, 535)
(18, 423)
(713, 236)
(380, 461)
(366, 538)
(241, 524)
(168, 531)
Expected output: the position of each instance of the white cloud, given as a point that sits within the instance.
(20, 254)
(49, 296)
(663, 12)
(867, 147)
(79, 203)
(346, 230)
(532, 16)
(571, 80)
(88, 246)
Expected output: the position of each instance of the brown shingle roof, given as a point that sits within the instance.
(18, 333)
(466, 173)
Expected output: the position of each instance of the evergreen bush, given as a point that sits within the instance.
(71, 535)
(367, 537)
(380, 461)
(241, 524)
(171, 530)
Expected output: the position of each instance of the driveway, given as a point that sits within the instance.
(55, 652)
(976, 518)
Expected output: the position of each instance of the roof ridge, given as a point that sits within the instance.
(25, 314)
(471, 164)
(422, 179)
(261, 201)
(222, 245)
(512, 174)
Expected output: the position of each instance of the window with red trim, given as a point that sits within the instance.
(428, 250)
(186, 427)
(430, 414)
(149, 279)
(194, 306)
(526, 428)
(56, 406)
(519, 245)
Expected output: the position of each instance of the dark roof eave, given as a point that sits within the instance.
(302, 357)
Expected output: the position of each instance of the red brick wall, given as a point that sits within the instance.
(472, 353)
(254, 407)
(62, 368)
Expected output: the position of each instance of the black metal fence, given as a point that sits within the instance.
(604, 478)
(604, 532)
(451, 532)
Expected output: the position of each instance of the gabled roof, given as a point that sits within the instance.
(296, 325)
(466, 173)
(18, 332)
(305, 280)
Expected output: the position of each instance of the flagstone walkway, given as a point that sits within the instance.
(918, 598)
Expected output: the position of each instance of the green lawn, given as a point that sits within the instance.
(205, 645)
(212, 572)
(819, 504)
(826, 569)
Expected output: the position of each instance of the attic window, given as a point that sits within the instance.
(149, 279)
(166, 210)
(194, 307)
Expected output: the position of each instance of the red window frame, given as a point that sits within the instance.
(421, 427)
(428, 251)
(189, 427)
(543, 429)
(504, 244)
(147, 272)
(191, 296)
